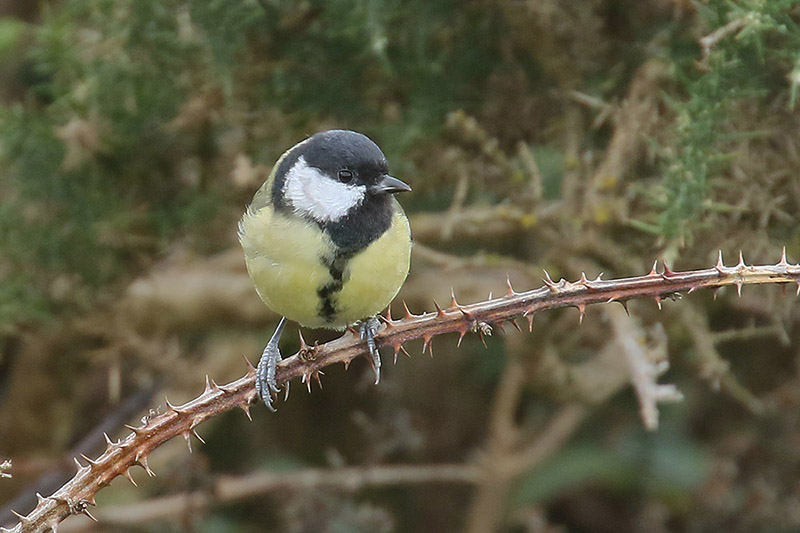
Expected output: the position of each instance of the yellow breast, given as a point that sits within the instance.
(285, 254)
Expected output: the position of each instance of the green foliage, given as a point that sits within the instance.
(98, 149)
(89, 156)
(753, 60)
(665, 463)
(10, 33)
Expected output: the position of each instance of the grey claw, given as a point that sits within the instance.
(367, 331)
(266, 384)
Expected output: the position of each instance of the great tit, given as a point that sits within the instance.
(326, 242)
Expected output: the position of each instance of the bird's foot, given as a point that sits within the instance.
(367, 331)
(266, 384)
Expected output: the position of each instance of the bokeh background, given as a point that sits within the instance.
(570, 136)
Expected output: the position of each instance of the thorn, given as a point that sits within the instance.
(654, 270)
(408, 314)
(783, 262)
(740, 264)
(499, 325)
(583, 281)
(142, 461)
(130, 477)
(509, 289)
(691, 290)
(798, 288)
(549, 282)
(461, 334)
(79, 465)
(657, 298)
(514, 323)
(386, 320)
(21, 517)
(466, 313)
(481, 337)
(427, 344)
(109, 441)
(739, 288)
(582, 310)
(453, 302)
(303, 345)
(389, 314)
(529, 316)
(347, 364)
(39, 498)
(250, 368)
(197, 436)
(625, 306)
(396, 348)
(353, 332)
(715, 290)
(246, 408)
(490, 296)
(317, 377)
(134, 429)
(87, 513)
(88, 460)
(668, 273)
(720, 266)
(170, 406)
(439, 310)
(188, 437)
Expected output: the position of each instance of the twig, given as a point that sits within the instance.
(633, 123)
(745, 334)
(459, 197)
(494, 483)
(646, 365)
(233, 488)
(712, 39)
(479, 222)
(710, 363)
(551, 438)
(528, 159)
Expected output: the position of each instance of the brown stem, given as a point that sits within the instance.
(79, 493)
(235, 488)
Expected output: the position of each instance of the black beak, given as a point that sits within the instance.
(389, 185)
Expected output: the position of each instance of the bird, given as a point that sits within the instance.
(325, 242)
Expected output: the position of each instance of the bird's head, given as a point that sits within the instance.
(330, 174)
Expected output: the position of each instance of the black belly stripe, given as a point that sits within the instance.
(350, 235)
(327, 293)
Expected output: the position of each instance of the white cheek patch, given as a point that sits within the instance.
(313, 194)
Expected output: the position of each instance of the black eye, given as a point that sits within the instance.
(345, 176)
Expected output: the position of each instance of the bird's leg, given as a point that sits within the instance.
(367, 331)
(267, 367)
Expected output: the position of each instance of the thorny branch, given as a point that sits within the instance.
(78, 494)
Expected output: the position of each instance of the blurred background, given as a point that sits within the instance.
(587, 136)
